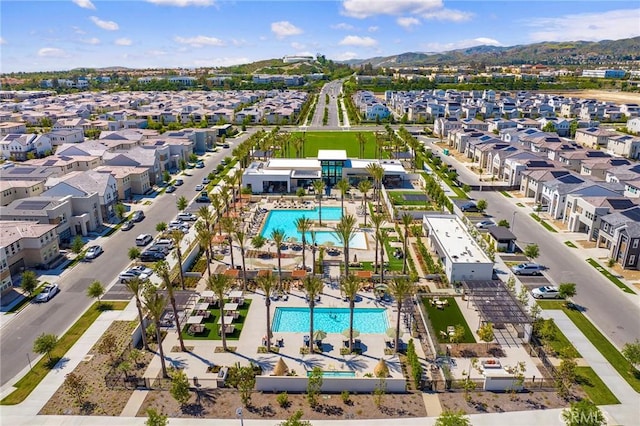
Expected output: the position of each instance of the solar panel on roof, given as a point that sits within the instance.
(21, 170)
(158, 143)
(621, 204)
(633, 214)
(49, 163)
(32, 205)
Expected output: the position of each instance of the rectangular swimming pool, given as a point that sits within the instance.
(336, 373)
(285, 219)
(330, 320)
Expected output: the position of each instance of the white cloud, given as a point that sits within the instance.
(93, 40)
(2, 40)
(345, 56)
(221, 62)
(298, 46)
(156, 52)
(358, 41)
(123, 42)
(611, 25)
(238, 42)
(105, 25)
(408, 22)
(373, 29)
(52, 52)
(85, 4)
(78, 30)
(199, 41)
(448, 15)
(366, 8)
(183, 3)
(461, 44)
(284, 29)
(343, 26)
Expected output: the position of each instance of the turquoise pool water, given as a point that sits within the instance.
(285, 219)
(330, 320)
(335, 373)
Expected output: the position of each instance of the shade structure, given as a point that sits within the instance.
(345, 332)
(264, 272)
(219, 239)
(233, 273)
(364, 274)
(391, 332)
(319, 334)
(281, 368)
(381, 370)
(381, 287)
(298, 273)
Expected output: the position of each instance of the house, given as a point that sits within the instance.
(11, 190)
(8, 127)
(593, 137)
(598, 167)
(625, 146)
(64, 164)
(443, 125)
(532, 181)
(130, 180)
(149, 159)
(629, 176)
(555, 192)
(633, 125)
(514, 163)
(20, 147)
(502, 239)
(584, 214)
(62, 136)
(620, 233)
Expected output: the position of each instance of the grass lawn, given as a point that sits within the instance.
(397, 198)
(570, 244)
(543, 223)
(394, 264)
(338, 140)
(29, 382)
(520, 205)
(594, 387)
(450, 315)
(506, 194)
(562, 345)
(550, 304)
(610, 276)
(211, 325)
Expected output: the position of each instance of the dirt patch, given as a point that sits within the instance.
(586, 244)
(627, 274)
(492, 402)
(601, 95)
(222, 404)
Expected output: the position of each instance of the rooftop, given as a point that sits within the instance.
(455, 239)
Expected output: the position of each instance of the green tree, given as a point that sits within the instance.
(314, 384)
(161, 227)
(28, 282)
(96, 291)
(364, 186)
(134, 253)
(294, 420)
(166, 176)
(161, 268)
(312, 286)
(458, 334)
(549, 127)
(407, 220)
(376, 220)
(45, 343)
(343, 185)
(155, 303)
(180, 387)
(154, 418)
(504, 222)
(565, 377)
(182, 203)
(532, 251)
(220, 284)
(567, 290)
(303, 226)
(486, 334)
(583, 413)
(246, 383)
(77, 386)
(120, 209)
(241, 237)
(135, 286)
(345, 231)
(204, 234)
(631, 351)
(278, 236)
(318, 187)
(400, 288)
(267, 283)
(177, 236)
(350, 286)
(108, 345)
(452, 418)
(482, 205)
(77, 244)
(182, 164)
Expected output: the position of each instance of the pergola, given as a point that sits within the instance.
(495, 304)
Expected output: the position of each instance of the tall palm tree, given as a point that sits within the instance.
(162, 269)
(228, 224)
(313, 288)
(135, 286)
(400, 288)
(377, 173)
(155, 304)
(361, 143)
(237, 177)
(407, 220)
(230, 182)
(350, 286)
(240, 235)
(220, 284)
(278, 236)
(382, 236)
(204, 235)
(318, 186)
(303, 225)
(345, 230)
(177, 236)
(364, 186)
(377, 220)
(266, 283)
(314, 247)
(379, 144)
(224, 195)
(216, 202)
(343, 185)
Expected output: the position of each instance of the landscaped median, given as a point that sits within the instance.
(28, 383)
(610, 276)
(542, 222)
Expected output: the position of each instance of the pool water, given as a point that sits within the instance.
(285, 219)
(335, 373)
(330, 320)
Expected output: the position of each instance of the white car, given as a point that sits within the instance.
(199, 187)
(545, 292)
(485, 224)
(130, 274)
(186, 217)
(142, 270)
(47, 293)
(93, 252)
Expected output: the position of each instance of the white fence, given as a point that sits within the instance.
(329, 384)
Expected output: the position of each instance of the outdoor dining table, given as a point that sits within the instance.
(227, 320)
(195, 319)
(201, 306)
(236, 294)
(208, 295)
(230, 307)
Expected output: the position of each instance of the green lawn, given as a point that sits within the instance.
(594, 387)
(338, 140)
(29, 382)
(211, 325)
(450, 315)
(397, 198)
(610, 276)
(562, 345)
(570, 244)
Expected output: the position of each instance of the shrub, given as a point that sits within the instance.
(346, 398)
(283, 400)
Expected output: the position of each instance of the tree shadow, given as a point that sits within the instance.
(329, 410)
(194, 409)
(57, 363)
(88, 407)
(263, 411)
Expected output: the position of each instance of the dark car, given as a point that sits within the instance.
(138, 215)
(127, 225)
(160, 249)
(178, 182)
(151, 256)
(170, 189)
(203, 199)
(469, 207)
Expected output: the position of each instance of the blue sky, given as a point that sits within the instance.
(60, 35)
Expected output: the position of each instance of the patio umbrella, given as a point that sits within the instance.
(319, 335)
(292, 240)
(391, 332)
(381, 369)
(281, 368)
(381, 287)
(345, 332)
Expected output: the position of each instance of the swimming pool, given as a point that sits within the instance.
(330, 320)
(335, 373)
(285, 219)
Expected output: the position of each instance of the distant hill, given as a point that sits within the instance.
(275, 66)
(547, 53)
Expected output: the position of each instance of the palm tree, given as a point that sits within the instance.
(278, 236)
(313, 288)
(303, 225)
(361, 142)
(216, 202)
(407, 220)
(228, 224)
(177, 236)
(364, 186)
(258, 242)
(224, 195)
(343, 185)
(241, 237)
(379, 144)
(155, 304)
(350, 286)
(135, 286)
(377, 173)
(400, 288)
(382, 236)
(162, 269)
(314, 247)
(230, 182)
(237, 177)
(204, 235)
(377, 220)
(266, 283)
(345, 230)
(318, 186)
(220, 284)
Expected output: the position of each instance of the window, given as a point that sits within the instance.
(635, 243)
(632, 260)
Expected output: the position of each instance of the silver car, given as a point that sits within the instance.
(527, 269)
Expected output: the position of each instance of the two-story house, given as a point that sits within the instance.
(620, 233)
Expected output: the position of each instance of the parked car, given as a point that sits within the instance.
(178, 223)
(187, 217)
(164, 242)
(142, 270)
(151, 256)
(47, 293)
(127, 225)
(205, 180)
(199, 165)
(160, 249)
(203, 199)
(225, 145)
(170, 189)
(545, 292)
(527, 269)
(469, 206)
(143, 239)
(178, 182)
(128, 275)
(485, 224)
(138, 215)
(199, 187)
(93, 252)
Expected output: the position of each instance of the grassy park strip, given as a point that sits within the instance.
(594, 387)
(543, 223)
(610, 276)
(28, 383)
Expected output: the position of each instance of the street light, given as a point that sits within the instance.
(513, 220)
(239, 415)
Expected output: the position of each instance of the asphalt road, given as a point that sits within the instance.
(616, 313)
(56, 316)
(332, 89)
